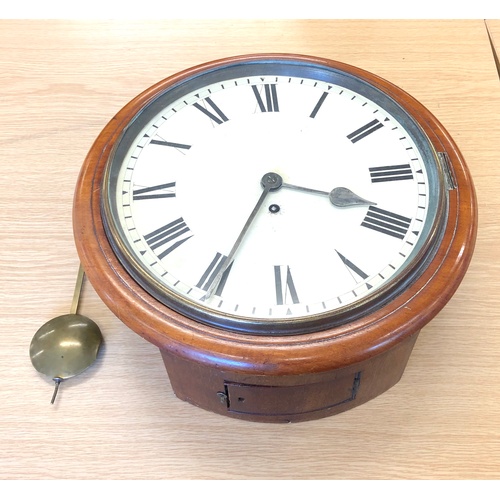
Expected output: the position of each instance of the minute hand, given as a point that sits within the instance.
(340, 196)
(270, 182)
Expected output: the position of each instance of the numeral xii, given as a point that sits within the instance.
(271, 96)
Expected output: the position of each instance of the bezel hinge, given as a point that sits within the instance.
(449, 176)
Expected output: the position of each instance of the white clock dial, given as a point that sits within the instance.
(352, 201)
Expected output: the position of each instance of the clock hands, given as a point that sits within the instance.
(270, 182)
(340, 196)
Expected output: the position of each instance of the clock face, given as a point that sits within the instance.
(272, 196)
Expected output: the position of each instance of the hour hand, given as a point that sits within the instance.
(339, 197)
(343, 197)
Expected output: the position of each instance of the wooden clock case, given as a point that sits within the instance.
(279, 378)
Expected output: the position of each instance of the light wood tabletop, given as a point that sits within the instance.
(61, 82)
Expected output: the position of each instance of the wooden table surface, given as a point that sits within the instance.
(61, 81)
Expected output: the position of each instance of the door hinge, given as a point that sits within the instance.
(223, 398)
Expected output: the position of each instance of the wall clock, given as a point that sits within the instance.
(280, 226)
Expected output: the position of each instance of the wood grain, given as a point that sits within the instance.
(61, 82)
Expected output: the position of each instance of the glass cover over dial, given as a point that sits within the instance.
(273, 196)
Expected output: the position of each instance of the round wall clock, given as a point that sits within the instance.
(280, 226)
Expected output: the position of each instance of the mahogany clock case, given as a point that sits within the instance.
(286, 377)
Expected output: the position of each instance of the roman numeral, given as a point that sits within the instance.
(318, 105)
(170, 233)
(365, 130)
(176, 145)
(216, 116)
(386, 222)
(353, 268)
(153, 192)
(212, 271)
(391, 173)
(271, 96)
(285, 288)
